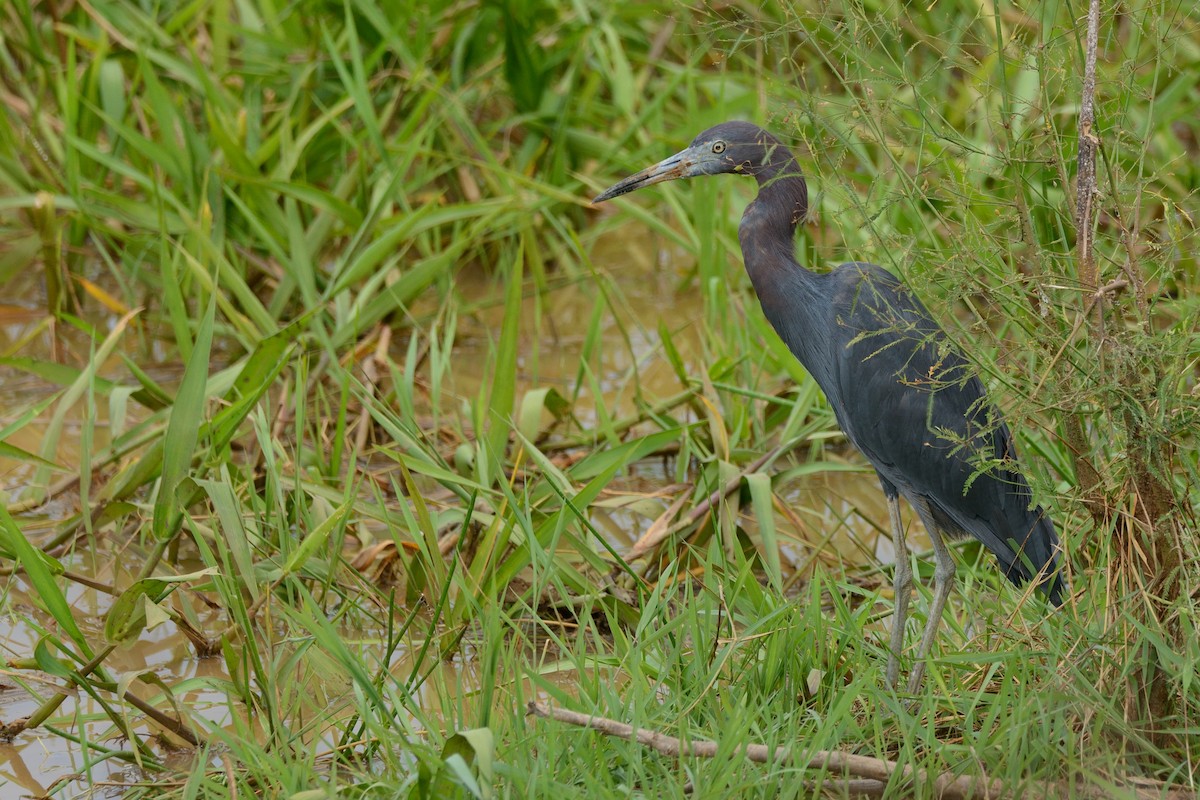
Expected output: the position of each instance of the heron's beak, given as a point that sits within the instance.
(677, 166)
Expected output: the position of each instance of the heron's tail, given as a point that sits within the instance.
(1037, 556)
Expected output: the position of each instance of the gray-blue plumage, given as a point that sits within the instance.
(910, 403)
(902, 393)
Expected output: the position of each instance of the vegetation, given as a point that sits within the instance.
(373, 494)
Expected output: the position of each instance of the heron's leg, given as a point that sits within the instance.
(943, 582)
(902, 585)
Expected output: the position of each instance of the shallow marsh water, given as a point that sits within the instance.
(844, 511)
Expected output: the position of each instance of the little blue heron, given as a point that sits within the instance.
(905, 397)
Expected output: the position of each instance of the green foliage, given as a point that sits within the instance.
(421, 379)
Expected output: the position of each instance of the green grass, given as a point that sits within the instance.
(355, 226)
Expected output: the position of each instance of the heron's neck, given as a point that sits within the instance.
(782, 201)
(770, 221)
(790, 295)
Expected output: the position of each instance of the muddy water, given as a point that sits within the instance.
(38, 759)
(839, 516)
(25, 333)
(640, 283)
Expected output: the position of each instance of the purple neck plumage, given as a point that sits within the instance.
(782, 201)
(767, 237)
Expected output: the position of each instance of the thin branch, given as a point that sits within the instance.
(1088, 276)
(1086, 190)
(730, 486)
(866, 776)
(875, 770)
(660, 531)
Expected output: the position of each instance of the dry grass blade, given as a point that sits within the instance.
(660, 529)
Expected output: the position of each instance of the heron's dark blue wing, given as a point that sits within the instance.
(912, 404)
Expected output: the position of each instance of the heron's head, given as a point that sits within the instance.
(737, 148)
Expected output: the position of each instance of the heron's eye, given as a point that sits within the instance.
(718, 147)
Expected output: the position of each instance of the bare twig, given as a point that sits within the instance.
(661, 530)
(730, 486)
(1086, 188)
(620, 426)
(948, 787)
(1089, 279)
(866, 776)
